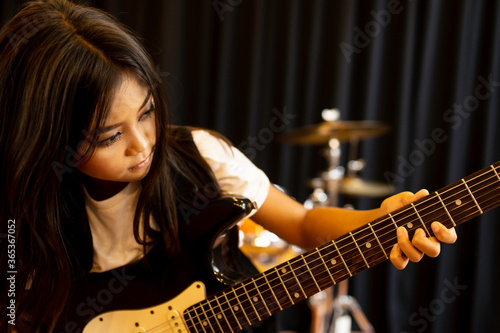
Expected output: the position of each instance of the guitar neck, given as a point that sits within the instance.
(257, 298)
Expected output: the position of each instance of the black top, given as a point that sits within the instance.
(152, 280)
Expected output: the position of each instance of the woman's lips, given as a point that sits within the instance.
(142, 164)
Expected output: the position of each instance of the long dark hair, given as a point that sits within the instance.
(60, 64)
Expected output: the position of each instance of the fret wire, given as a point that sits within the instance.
(296, 279)
(457, 208)
(251, 301)
(378, 241)
(284, 285)
(197, 315)
(241, 307)
(270, 288)
(446, 209)
(396, 237)
(215, 317)
(394, 222)
(188, 313)
(471, 214)
(425, 201)
(199, 306)
(356, 243)
(202, 321)
(370, 226)
(262, 298)
(224, 314)
(406, 211)
(491, 200)
(296, 262)
(392, 218)
(342, 258)
(468, 189)
(312, 276)
(495, 171)
(231, 308)
(391, 239)
(418, 215)
(325, 278)
(382, 235)
(324, 263)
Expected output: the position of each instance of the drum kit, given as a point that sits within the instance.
(333, 310)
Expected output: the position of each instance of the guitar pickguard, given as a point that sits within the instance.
(164, 317)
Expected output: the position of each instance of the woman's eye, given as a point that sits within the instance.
(148, 113)
(109, 141)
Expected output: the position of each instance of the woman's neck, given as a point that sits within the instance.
(102, 189)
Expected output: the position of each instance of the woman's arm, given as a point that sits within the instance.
(294, 223)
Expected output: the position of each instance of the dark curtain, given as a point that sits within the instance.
(430, 69)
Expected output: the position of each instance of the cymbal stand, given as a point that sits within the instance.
(354, 164)
(333, 177)
(343, 305)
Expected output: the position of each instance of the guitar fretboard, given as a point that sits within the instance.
(257, 298)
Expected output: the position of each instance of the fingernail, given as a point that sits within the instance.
(435, 227)
(400, 231)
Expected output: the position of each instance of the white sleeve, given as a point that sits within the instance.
(235, 173)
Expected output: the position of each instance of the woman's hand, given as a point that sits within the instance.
(413, 250)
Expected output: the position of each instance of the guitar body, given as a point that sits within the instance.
(166, 317)
(154, 283)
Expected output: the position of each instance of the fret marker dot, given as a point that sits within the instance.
(368, 245)
(255, 299)
(334, 261)
(283, 270)
(205, 323)
(410, 225)
(458, 202)
(219, 316)
(296, 295)
(236, 308)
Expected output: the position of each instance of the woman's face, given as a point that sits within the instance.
(125, 144)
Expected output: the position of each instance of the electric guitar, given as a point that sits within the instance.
(256, 298)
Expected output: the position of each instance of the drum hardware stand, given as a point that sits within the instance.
(343, 305)
(331, 131)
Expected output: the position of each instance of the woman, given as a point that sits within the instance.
(88, 155)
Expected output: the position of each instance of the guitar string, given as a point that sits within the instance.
(395, 216)
(354, 257)
(418, 220)
(354, 249)
(327, 278)
(285, 297)
(320, 281)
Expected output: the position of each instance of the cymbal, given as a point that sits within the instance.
(357, 187)
(342, 130)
